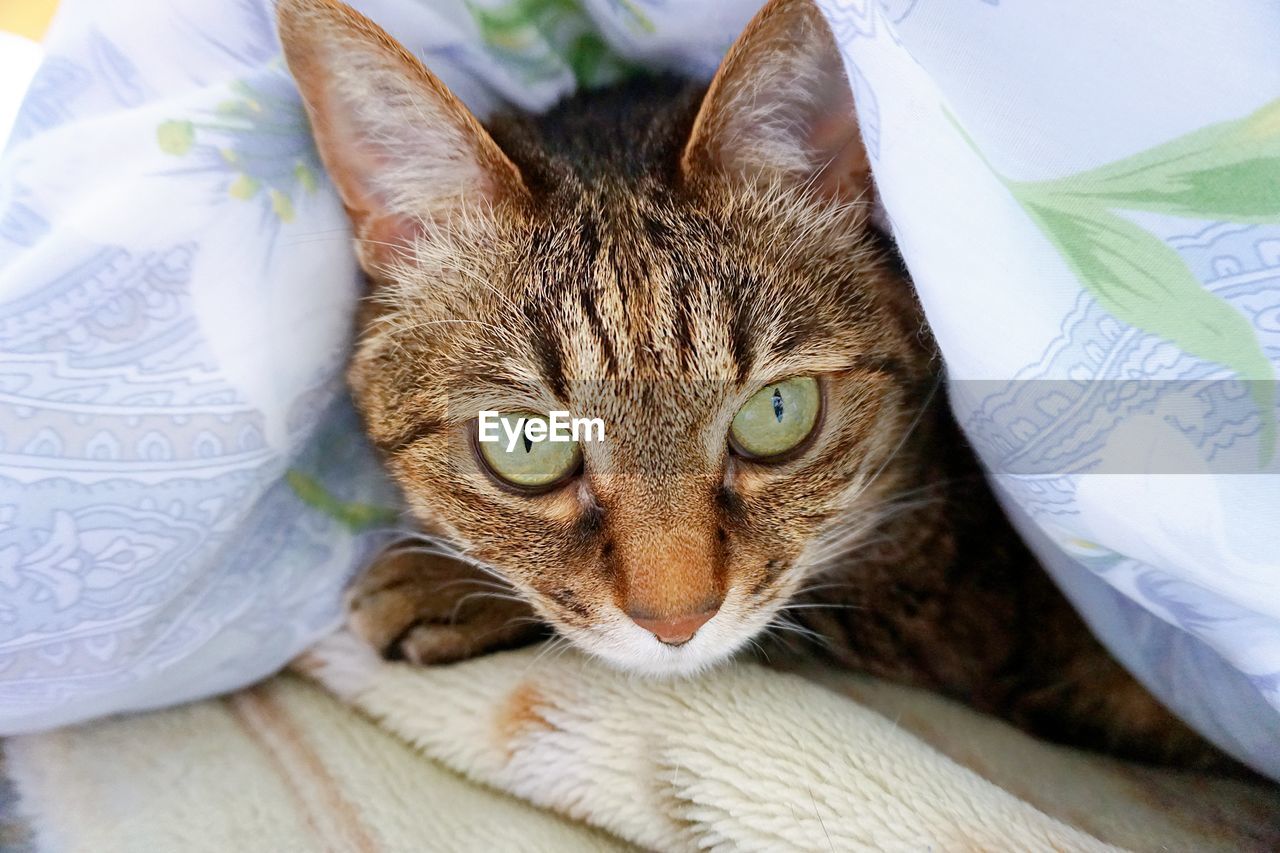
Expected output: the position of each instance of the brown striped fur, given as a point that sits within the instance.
(652, 255)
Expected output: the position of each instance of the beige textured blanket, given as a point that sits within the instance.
(457, 758)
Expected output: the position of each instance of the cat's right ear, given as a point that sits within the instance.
(403, 151)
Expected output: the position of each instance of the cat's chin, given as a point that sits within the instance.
(626, 646)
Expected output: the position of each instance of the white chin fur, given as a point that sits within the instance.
(626, 646)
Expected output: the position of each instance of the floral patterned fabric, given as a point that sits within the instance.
(184, 490)
(1088, 198)
(1087, 203)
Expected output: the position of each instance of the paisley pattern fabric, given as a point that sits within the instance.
(1087, 204)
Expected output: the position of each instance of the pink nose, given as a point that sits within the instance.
(674, 630)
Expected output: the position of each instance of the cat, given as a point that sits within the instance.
(700, 267)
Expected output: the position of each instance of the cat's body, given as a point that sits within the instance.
(655, 257)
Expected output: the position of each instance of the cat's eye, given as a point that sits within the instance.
(777, 419)
(526, 463)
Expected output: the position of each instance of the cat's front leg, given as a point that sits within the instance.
(428, 608)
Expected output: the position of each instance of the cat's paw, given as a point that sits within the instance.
(426, 608)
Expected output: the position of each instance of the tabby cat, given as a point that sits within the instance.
(700, 268)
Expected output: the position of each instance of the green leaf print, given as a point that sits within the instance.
(1143, 282)
(544, 39)
(1227, 171)
(638, 20)
(1230, 171)
(176, 137)
(257, 140)
(354, 516)
(589, 57)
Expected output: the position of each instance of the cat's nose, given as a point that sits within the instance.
(674, 630)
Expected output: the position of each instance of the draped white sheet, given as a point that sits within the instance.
(1085, 194)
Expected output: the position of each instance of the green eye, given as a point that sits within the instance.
(777, 418)
(521, 461)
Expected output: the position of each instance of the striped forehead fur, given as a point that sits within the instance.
(656, 291)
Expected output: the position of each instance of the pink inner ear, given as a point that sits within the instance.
(353, 159)
(844, 172)
(383, 238)
(359, 167)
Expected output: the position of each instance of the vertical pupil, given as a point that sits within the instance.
(777, 404)
(528, 443)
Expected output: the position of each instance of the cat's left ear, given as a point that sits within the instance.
(404, 153)
(780, 107)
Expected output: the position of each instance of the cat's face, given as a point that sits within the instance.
(714, 263)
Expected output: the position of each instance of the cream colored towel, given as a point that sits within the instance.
(744, 759)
